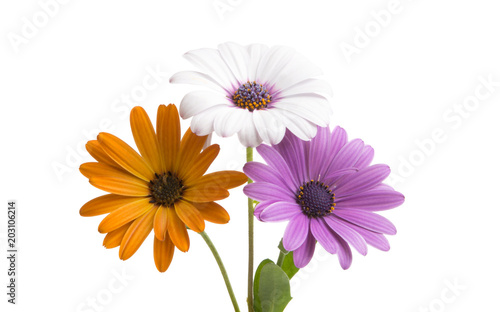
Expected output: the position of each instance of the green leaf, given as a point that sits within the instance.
(288, 266)
(271, 288)
(256, 284)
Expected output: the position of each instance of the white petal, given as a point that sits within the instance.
(273, 63)
(255, 53)
(301, 128)
(236, 57)
(230, 121)
(312, 107)
(299, 69)
(196, 78)
(208, 142)
(308, 86)
(282, 67)
(195, 102)
(269, 126)
(211, 62)
(248, 135)
(203, 124)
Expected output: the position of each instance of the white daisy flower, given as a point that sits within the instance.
(256, 91)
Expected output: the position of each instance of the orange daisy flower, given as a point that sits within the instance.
(164, 188)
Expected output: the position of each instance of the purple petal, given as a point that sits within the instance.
(259, 172)
(296, 232)
(344, 252)
(362, 180)
(323, 235)
(374, 239)
(274, 159)
(337, 140)
(262, 191)
(348, 155)
(303, 255)
(373, 200)
(365, 158)
(318, 148)
(345, 231)
(368, 220)
(383, 187)
(291, 149)
(261, 206)
(334, 176)
(280, 211)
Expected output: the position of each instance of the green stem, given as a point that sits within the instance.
(250, 240)
(281, 258)
(283, 253)
(222, 270)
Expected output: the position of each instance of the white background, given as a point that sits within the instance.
(408, 79)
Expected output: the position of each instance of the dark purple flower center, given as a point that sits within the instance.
(315, 199)
(251, 96)
(166, 189)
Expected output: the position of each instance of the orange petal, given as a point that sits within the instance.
(205, 193)
(160, 223)
(121, 186)
(145, 138)
(105, 204)
(190, 215)
(177, 230)
(125, 156)
(168, 130)
(91, 169)
(201, 163)
(95, 150)
(191, 146)
(136, 234)
(114, 238)
(124, 215)
(227, 179)
(163, 253)
(212, 212)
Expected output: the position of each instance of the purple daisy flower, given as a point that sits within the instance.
(327, 190)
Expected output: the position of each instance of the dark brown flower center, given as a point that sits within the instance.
(315, 199)
(166, 189)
